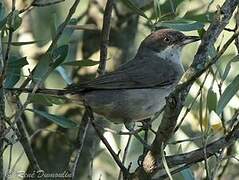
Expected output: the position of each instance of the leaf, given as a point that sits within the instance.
(13, 71)
(134, 8)
(47, 100)
(53, 27)
(21, 43)
(228, 67)
(2, 11)
(67, 33)
(181, 25)
(14, 21)
(211, 100)
(17, 63)
(157, 8)
(187, 174)
(59, 55)
(229, 92)
(81, 63)
(203, 18)
(61, 121)
(42, 67)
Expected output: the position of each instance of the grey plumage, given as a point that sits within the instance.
(137, 89)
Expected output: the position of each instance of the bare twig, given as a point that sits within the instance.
(74, 159)
(113, 154)
(125, 154)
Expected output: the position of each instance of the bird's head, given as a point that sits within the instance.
(166, 43)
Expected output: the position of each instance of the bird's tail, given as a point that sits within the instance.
(57, 92)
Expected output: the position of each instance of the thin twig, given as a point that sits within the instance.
(113, 154)
(74, 159)
(125, 154)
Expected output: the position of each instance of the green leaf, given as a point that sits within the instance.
(157, 8)
(187, 174)
(42, 67)
(228, 67)
(229, 92)
(211, 100)
(14, 21)
(21, 43)
(3, 23)
(67, 33)
(203, 18)
(81, 63)
(13, 72)
(134, 8)
(47, 100)
(17, 63)
(61, 121)
(2, 11)
(53, 27)
(181, 25)
(59, 55)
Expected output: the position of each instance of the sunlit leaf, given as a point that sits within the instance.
(81, 63)
(61, 121)
(59, 55)
(42, 67)
(47, 100)
(227, 95)
(181, 25)
(67, 33)
(217, 127)
(13, 71)
(211, 100)
(187, 174)
(228, 67)
(14, 21)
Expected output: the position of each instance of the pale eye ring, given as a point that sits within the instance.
(166, 39)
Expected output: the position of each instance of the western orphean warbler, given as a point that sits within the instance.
(138, 88)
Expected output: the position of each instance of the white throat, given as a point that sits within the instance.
(171, 53)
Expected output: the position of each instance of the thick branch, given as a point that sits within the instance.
(105, 34)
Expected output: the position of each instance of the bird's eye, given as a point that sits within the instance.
(166, 39)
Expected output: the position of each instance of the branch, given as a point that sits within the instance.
(174, 102)
(105, 33)
(198, 155)
(73, 165)
(23, 138)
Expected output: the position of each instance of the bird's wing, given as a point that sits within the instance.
(146, 73)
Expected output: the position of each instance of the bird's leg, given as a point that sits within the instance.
(146, 124)
(130, 128)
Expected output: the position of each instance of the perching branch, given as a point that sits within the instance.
(175, 101)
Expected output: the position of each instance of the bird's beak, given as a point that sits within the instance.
(189, 39)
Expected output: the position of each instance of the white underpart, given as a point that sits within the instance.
(171, 53)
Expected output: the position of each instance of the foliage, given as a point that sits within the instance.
(41, 49)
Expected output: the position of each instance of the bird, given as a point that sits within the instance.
(137, 89)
